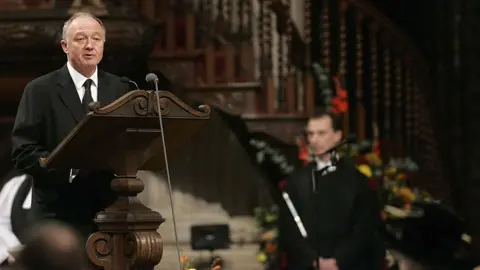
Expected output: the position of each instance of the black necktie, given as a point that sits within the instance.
(87, 98)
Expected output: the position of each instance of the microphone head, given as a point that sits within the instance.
(151, 77)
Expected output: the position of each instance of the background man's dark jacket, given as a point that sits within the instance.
(341, 219)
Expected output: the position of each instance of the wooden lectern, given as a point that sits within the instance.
(124, 137)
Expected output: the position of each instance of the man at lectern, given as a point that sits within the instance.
(51, 106)
(336, 207)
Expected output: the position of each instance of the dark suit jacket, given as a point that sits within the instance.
(49, 109)
(341, 219)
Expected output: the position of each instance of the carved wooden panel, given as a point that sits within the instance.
(12, 5)
(30, 34)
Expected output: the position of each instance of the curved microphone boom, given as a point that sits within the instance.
(351, 138)
(152, 78)
(128, 81)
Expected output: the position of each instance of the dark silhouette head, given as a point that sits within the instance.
(53, 246)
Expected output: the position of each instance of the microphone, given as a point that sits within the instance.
(127, 80)
(351, 138)
(154, 78)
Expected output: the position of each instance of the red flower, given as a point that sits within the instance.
(339, 106)
(304, 154)
(340, 101)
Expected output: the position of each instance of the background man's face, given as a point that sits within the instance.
(321, 136)
(84, 44)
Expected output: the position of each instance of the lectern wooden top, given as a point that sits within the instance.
(125, 135)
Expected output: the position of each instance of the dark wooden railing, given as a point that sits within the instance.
(387, 79)
(250, 57)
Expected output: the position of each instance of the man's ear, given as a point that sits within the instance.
(64, 45)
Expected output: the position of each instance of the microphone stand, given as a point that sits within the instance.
(152, 77)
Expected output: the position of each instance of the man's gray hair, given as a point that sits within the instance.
(78, 15)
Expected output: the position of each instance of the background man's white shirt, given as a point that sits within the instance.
(8, 239)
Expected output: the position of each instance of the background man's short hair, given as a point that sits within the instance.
(337, 124)
(78, 15)
(52, 246)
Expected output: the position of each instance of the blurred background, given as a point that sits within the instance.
(404, 74)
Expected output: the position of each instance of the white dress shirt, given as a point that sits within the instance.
(79, 80)
(322, 164)
(8, 239)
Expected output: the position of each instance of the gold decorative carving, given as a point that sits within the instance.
(96, 7)
(144, 103)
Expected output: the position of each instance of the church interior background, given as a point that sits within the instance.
(402, 73)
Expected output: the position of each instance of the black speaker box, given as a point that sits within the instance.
(210, 237)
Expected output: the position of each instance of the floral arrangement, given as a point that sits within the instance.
(340, 101)
(187, 264)
(323, 84)
(389, 179)
(267, 221)
(392, 176)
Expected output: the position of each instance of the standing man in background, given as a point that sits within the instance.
(51, 106)
(338, 209)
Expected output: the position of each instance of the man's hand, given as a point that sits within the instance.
(327, 264)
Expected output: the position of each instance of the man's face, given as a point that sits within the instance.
(321, 135)
(84, 44)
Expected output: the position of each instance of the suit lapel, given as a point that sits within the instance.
(68, 94)
(106, 94)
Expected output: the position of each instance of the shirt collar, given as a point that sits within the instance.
(79, 79)
(322, 164)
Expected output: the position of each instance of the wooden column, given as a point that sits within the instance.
(360, 109)
(398, 101)
(387, 77)
(308, 85)
(374, 71)
(342, 67)
(290, 86)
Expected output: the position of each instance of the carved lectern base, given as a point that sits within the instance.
(124, 137)
(127, 237)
